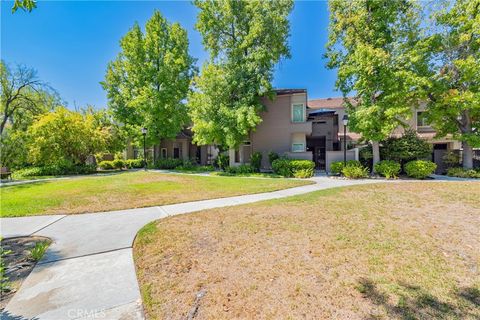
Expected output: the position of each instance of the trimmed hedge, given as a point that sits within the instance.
(420, 169)
(168, 163)
(241, 169)
(388, 168)
(293, 168)
(55, 170)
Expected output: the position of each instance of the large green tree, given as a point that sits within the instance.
(453, 88)
(26, 5)
(22, 95)
(149, 80)
(66, 136)
(376, 48)
(245, 40)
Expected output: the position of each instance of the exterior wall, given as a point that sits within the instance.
(277, 129)
(325, 127)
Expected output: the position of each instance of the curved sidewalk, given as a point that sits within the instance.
(88, 271)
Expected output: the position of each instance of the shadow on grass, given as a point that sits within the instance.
(417, 303)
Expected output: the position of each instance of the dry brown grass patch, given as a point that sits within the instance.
(406, 250)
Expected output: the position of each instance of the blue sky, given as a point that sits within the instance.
(70, 43)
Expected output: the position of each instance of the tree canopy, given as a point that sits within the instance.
(23, 95)
(149, 80)
(375, 45)
(66, 136)
(26, 5)
(453, 84)
(245, 40)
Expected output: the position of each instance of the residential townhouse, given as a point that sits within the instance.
(298, 128)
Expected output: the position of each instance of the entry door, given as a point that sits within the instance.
(319, 156)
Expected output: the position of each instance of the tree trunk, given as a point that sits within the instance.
(4, 122)
(467, 156)
(376, 153)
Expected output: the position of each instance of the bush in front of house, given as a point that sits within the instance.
(134, 163)
(106, 165)
(293, 168)
(241, 169)
(406, 148)
(355, 172)
(168, 163)
(464, 173)
(336, 167)
(420, 169)
(222, 161)
(388, 168)
(118, 164)
(59, 169)
(272, 156)
(256, 161)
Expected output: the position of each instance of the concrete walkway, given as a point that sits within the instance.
(88, 271)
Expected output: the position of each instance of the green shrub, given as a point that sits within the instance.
(303, 173)
(256, 161)
(118, 164)
(463, 173)
(452, 159)
(336, 167)
(106, 165)
(388, 168)
(37, 252)
(289, 168)
(282, 167)
(272, 156)
(5, 285)
(355, 172)
(407, 148)
(168, 163)
(241, 169)
(134, 163)
(222, 161)
(420, 169)
(54, 170)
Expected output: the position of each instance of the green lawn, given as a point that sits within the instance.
(407, 250)
(126, 190)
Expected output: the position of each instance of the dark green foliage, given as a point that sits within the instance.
(452, 159)
(168, 163)
(463, 173)
(388, 168)
(256, 161)
(55, 170)
(222, 161)
(420, 169)
(366, 156)
(406, 148)
(241, 169)
(272, 156)
(293, 168)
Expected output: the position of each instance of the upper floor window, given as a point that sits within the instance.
(298, 112)
(422, 119)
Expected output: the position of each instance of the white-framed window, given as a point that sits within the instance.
(422, 119)
(163, 153)
(298, 147)
(298, 112)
